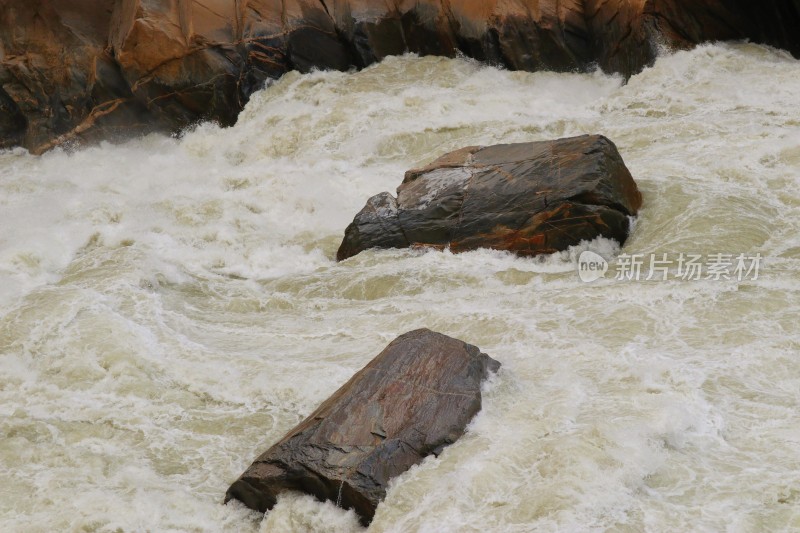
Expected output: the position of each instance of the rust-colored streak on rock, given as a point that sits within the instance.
(414, 399)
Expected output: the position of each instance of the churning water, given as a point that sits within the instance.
(171, 307)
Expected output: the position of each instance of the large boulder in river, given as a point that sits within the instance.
(414, 399)
(78, 70)
(527, 198)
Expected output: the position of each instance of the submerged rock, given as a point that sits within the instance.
(527, 198)
(85, 70)
(415, 398)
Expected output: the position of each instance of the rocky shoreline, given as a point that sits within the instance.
(103, 69)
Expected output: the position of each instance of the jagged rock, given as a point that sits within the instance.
(527, 198)
(75, 70)
(414, 399)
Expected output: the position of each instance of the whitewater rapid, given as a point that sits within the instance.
(170, 307)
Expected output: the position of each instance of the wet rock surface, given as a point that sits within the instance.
(414, 399)
(526, 198)
(74, 71)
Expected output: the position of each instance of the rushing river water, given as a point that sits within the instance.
(170, 307)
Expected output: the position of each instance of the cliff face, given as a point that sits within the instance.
(91, 69)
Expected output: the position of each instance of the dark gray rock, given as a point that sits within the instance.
(12, 121)
(411, 401)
